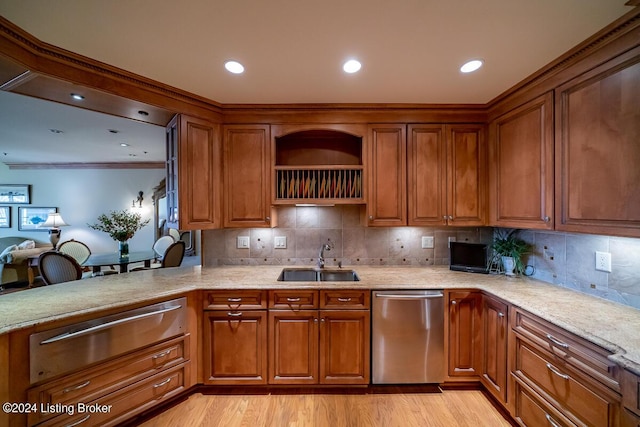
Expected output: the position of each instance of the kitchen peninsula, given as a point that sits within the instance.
(612, 331)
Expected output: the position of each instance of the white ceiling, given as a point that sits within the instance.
(293, 50)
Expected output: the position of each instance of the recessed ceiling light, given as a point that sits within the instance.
(352, 66)
(471, 66)
(77, 96)
(55, 131)
(234, 67)
(143, 113)
(114, 130)
(124, 144)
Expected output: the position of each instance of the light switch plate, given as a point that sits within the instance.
(427, 242)
(243, 242)
(280, 242)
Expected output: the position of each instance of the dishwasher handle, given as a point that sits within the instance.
(408, 296)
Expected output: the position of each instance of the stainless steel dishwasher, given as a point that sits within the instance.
(408, 337)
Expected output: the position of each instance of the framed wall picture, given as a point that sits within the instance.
(5, 216)
(29, 219)
(15, 193)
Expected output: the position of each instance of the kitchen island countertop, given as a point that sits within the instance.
(608, 324)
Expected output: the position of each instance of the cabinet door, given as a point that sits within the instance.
(386, 205)
(193, 173)
(521, 166)
(494, 358)
(597, 150)
(427, 185)
(344, 347)
(235, 350)
(247, 178)
(293, 347)
(465, 330)
(465, 175)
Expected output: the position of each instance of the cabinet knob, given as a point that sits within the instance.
(268, 218)
(453, 302)
(444, 217)
(546, 219)
(450, 216)
(500, 314)
(371, 217)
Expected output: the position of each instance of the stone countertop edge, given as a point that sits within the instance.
(610, 325)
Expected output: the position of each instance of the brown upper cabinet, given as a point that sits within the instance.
(598, 149)
(318, 164)
(521, 166)
(386, 204)
(446, 175)
(193, 173)
(247, 159)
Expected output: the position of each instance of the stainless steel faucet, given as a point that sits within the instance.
(324, 247)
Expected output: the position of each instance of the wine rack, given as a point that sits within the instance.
(307, 184)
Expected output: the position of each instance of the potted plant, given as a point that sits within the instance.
(121, 226)
(508, 250)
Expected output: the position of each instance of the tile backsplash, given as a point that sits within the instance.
(563, 259)
(307, 228)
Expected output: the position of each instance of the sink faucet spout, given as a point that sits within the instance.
(324, 247)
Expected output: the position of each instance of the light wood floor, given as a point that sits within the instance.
(450, 408)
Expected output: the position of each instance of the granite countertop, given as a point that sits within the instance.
(608, 324)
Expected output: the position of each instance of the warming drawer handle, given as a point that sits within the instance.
(551, 420)
(556, 341)
(400, 296)
(77, 423)
(557, 372)
(68, 335)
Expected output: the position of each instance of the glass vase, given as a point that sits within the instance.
(123, 249)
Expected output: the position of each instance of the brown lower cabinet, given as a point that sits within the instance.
(307, 337)
(464, 334)
(495, 329)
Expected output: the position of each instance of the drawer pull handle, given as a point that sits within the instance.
(77, 423)
(344, 299)
(551, 420)
(290, 299)
(234, 314)
(557, 342)
(77, 387)
(165, 382)
(557, 372)
(234, 299)
(163, 354)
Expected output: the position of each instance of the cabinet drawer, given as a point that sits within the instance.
(93, 383)
(235, 300)
(532, 411)
(576, 351)
(293, 299)
(122, 404)
(552, 377)
(345, 298)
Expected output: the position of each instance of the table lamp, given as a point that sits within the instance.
(54, 221)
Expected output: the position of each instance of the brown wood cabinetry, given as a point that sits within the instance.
(446, 175)
(386, 204)
(318, 346)
(247, 183)
(193, 181)
(521, 166)
(464, 334)
(630, 399)
(495, 319)
(597, 150)
(235, 337)
(563, 374)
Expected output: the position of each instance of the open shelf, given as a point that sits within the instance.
(318, 166)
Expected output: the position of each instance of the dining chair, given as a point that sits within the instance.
(175, 234)
(57, 267)
(172, 257)
(161, 245)
(78, 250)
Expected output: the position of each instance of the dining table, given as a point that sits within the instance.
(98, 260)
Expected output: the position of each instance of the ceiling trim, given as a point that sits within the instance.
(103, 165)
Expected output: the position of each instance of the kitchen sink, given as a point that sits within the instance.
(316, 275)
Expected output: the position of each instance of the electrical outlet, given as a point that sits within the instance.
(280, 242)
(603, 261)
(427, 242)
(451, 239)
(242, 242)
